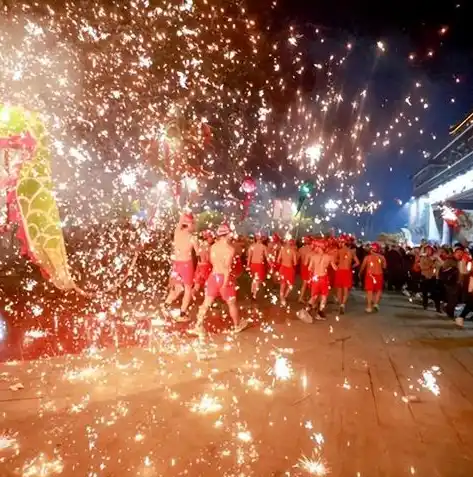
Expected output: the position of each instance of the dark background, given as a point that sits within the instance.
(406, 28)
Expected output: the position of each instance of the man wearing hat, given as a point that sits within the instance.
(182, 273)
(346, 260)
(257, 258)
(221, 281)
(374, 265)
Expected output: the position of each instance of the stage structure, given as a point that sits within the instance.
(441, 209)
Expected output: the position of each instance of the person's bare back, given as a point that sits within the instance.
(288, 256)
(345, 259)
(319, 263)
(304, 253)
(204, 253)
(375, 264)
(221, 257)
(257, 253)
(183, 245)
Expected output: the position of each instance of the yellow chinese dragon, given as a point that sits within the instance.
(27, 184)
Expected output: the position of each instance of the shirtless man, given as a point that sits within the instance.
(304, 254)
(182, 273)
(346, 260)
(374, 264)
(221, 282)
(287, 260)
(257, 255)
(274, 248)
(204, 267)
(319, 265)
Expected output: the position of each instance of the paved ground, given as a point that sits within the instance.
(354, 396)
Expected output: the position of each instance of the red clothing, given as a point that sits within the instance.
(343, 278)
(374, 282)
(305, 273)
(183, 272)
(202, 273)
(320, 286)
(258, 270)
(331, 275)
(215, 287)
(287, 274)
(237, 266)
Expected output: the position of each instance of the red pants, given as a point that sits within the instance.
(258, 270)
(202, 273)
(319, 286)
(374, 282)
(215, 287)
(287, 274)
(183, 272)
(305, 273)
(343, 278)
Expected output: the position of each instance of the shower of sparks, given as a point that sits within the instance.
(429, 381)
(117, 84)
(313, 466)
(207, 405)
(282, 369)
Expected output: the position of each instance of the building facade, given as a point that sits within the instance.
(441, 209)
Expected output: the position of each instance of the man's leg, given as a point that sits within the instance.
(186, 299)
(288, 290)
(303, 290)
(282, 290)
(204, 308)
(369, 300)
(424, 287)
(174, 293)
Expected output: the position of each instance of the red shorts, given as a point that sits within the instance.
(237, 267)
(343, 278)
(215, 288)
(374, 282)
(183, 272)
(258, 270)
(319, 286)
(287, 274)
(331, 275)
(202, 273)
(305, 273)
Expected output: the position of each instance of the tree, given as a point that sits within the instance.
(208, 220)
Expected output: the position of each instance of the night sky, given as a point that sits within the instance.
(446, 75)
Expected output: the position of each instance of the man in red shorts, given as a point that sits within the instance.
(182, 273)
(287, 258)
(346, 260)
(274, 247)
(257, 257)
(204, 267)
(221, 282)
(373, 265)
(319, 264)
(304, 254)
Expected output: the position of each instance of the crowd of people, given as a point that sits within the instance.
(441, 275)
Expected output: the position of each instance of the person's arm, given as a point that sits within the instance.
(250, 255)
(310, 263)
(279, 256)
(356, 262)
(333, 264)
(383, 262)
(295, 258)
(228, 269)
(363, 265)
